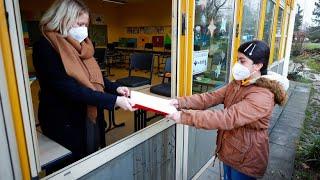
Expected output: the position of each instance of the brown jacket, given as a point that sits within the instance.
(242, 140)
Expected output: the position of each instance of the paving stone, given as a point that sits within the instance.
(284, 135)
(282, 152)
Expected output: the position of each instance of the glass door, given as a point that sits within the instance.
(209, 42)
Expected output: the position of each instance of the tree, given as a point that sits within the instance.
(298, 21)
(316, 13)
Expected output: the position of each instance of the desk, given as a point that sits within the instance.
(156, 52)
(159, 51)
(50, 151)
(112, 124)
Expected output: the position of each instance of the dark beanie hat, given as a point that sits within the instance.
(258, 52)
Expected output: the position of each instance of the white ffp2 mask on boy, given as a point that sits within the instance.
(79, 33)
(240, 72)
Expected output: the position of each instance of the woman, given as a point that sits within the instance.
(242, 141)
(73, 92)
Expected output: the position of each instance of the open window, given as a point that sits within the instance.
(119, 30)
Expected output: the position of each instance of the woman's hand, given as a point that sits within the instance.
(175, 116)
(174, 102)
(124, 91)
(125, 103)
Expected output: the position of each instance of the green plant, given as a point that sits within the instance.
(314, 64)
(307, 162)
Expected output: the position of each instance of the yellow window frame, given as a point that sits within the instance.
(274, 30)
(236, 39)
(13, 93)
(262, 19)
(186, 49)
(283, 29)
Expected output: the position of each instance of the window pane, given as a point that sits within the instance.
(268, 22)
(212, 43)
(278, 36)
(250, 20)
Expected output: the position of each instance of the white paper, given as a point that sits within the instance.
(200, 61)
(152, 102)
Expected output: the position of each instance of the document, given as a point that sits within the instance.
(152, 103)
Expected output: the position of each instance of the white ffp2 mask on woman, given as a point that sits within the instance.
(240, 72)
(79, 33)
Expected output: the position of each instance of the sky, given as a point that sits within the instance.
(307, 6)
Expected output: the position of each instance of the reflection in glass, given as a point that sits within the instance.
(250, 20)
(278, 36)
(212, 43)
(268, 22)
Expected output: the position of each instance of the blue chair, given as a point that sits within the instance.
(138, 61)
(164, 89)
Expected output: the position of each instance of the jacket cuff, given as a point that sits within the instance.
(182, 103)
(186, 118)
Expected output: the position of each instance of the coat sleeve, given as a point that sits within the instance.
(204, 100)
(51, 72)
(253, 107)
(110, 87)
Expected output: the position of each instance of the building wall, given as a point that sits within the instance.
(153, 159)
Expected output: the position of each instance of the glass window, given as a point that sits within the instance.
(73, 137)
(278, 36)
(268, 22)
(212, 44)
(250, 20)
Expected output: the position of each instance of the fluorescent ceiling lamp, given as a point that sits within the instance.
(115, 1)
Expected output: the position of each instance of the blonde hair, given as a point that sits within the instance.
(62, 15)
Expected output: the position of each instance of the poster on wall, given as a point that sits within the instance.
(97, 19)
(157, 41)
(200, 61)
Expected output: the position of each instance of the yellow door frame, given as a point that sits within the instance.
(13, 93)
(274, 30)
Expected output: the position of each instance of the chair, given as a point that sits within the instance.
(130, 45)
(112, 56)
(148, 46)
(164, 88)
(99, 54)
(166, 54)
(138, 61)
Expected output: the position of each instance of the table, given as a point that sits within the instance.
(112, 124)
(156, 52)
(144, 50)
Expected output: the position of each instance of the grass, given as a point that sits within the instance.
(311, 46)
(314, 64)
(307, 162)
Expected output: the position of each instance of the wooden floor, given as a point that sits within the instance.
(120, 115)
